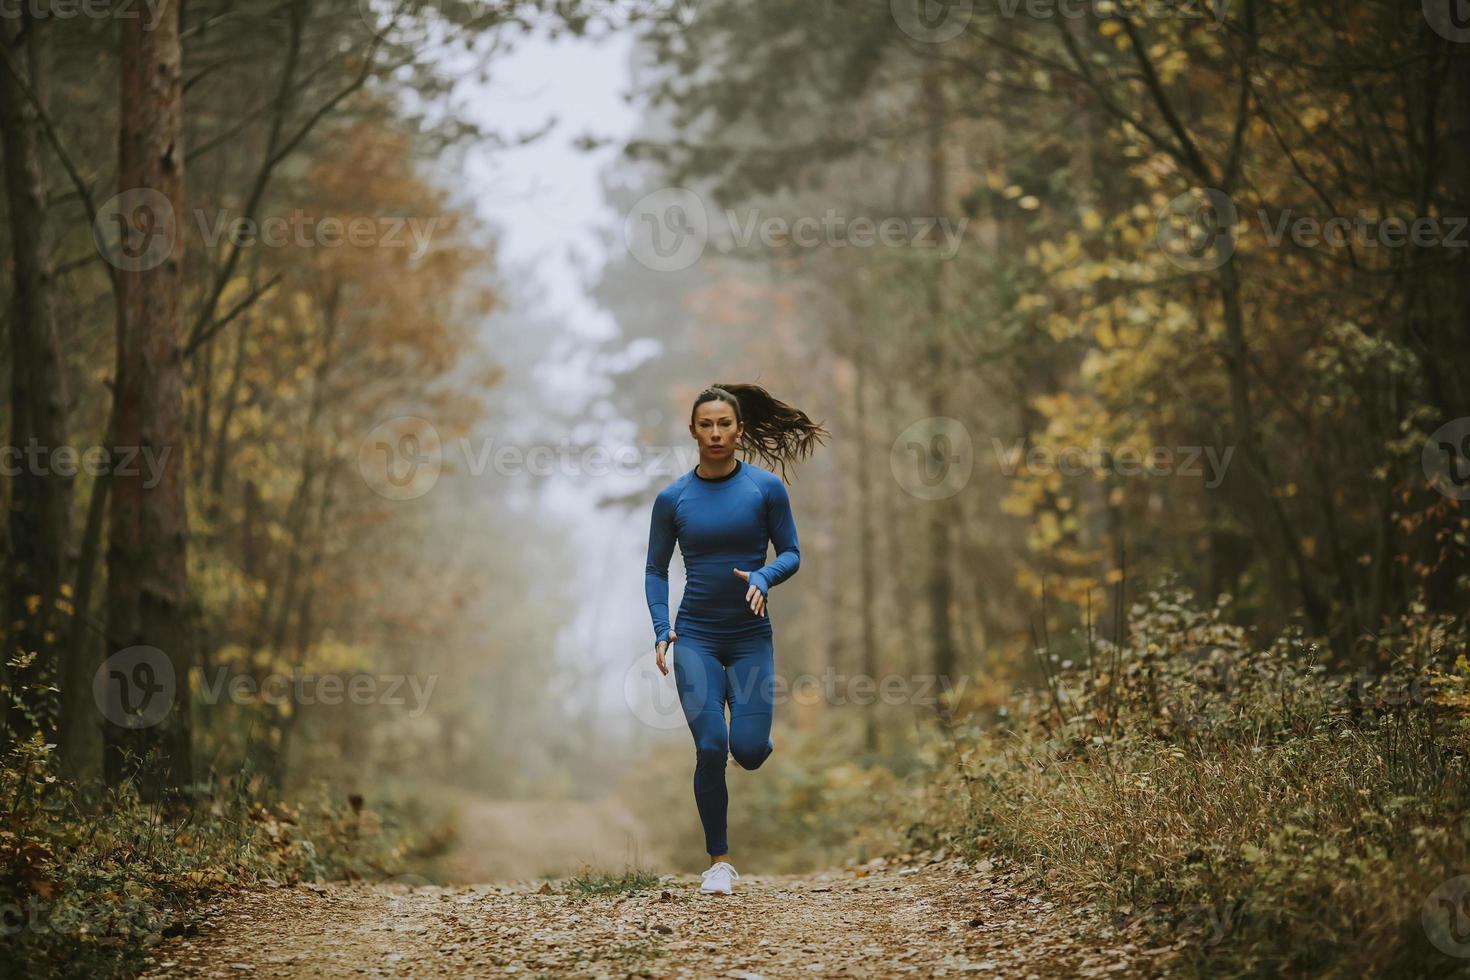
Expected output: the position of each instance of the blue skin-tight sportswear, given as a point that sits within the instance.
(724, 653)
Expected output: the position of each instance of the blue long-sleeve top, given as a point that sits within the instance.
(721, 524)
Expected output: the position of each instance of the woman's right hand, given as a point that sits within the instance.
(664, 646)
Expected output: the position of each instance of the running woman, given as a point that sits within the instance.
(723, 513)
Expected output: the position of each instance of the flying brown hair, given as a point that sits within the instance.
(774, 431)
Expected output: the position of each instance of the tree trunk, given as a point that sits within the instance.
(941, 512)
(81, 743)
(226, 416)
(1456, 200)
(866, 534)
(148, 619)
(1257, 465)
(40, 502)
(305, 626)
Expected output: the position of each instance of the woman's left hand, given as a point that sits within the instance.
(753, 595)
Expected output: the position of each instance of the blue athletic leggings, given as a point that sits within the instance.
(711, 673)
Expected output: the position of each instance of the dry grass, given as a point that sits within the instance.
(1265, 815)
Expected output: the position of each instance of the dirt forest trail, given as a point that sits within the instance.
(506, 840)
(932, 917)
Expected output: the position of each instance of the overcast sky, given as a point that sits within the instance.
(545, 198)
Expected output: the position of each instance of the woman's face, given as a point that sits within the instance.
(715, 429)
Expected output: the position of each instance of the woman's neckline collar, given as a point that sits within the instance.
(718, 479)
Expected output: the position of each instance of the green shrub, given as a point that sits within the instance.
(592, 882)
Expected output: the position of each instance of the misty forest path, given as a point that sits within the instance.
(944, 917)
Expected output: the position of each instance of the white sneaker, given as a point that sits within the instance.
(718, 878)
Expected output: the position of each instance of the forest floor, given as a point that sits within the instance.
(940, 918)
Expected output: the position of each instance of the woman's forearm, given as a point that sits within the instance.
(661, 536)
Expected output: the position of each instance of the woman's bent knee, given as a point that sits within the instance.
(750, 756)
